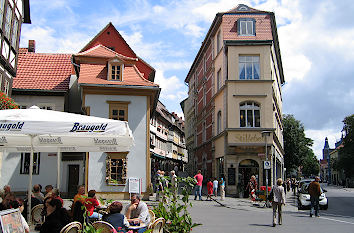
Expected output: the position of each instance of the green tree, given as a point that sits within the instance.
(310, 164)
(296, 144)
(346, 153)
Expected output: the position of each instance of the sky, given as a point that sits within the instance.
(316, 43)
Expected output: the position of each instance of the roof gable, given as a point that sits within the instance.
(112, 39)
(101, 51)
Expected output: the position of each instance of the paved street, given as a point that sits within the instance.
(240, 216)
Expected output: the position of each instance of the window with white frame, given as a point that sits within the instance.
(250, 114)
(2, 9)
(25, 163)
(246, 27)
(248, 67)
(8, 18)
(218, 123)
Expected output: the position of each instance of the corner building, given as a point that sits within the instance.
(234, 95)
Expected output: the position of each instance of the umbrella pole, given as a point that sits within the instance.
(29, 195)
(58, 169)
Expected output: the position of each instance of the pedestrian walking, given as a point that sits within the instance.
(210, 189)
(315, 193)
(222, 189)
(174, 182)
(159, 186)
(278, 201)
(215, 187)
(198, 187)
(252, 186)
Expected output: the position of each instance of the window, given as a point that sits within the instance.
(115, 72)
(5, 49)
(204, 95)
(250, 115)
(116, 168)
(14, 33)
(8, 18)
(25, 163)
(46, 107)
(218, 42)
(246, 27)
(204, 132)
(218, 123)
(248, 67)
(2, 8)
(6, 86)
(12, 59)
(218, 79)
(118, 110)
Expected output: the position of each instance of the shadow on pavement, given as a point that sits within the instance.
(261, 225)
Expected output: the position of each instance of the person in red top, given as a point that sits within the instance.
(198, 187)
(91, 203)
(210, 189)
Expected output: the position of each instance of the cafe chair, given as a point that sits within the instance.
(73, 227)
(36, 213)
(152, 216)
(105, 226)
(157, 225)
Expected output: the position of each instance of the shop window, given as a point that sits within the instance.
(25, 163)
(116, 168)
(249, 114)
(118, 110)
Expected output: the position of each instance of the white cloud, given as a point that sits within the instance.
(172, 88)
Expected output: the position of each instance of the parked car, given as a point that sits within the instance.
(304, 198)
(301, 183)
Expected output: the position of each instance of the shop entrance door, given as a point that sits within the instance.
(247, 168)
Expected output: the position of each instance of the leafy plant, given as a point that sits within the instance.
(173, 207)
(87, 226)
(6, 102)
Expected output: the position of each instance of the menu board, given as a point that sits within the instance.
(134, 185)
(11, 222)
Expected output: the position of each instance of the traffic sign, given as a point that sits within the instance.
(266, 165)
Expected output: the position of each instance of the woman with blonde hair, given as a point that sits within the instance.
(278, 201)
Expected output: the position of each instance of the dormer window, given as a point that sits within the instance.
(246, 27)
(115, 70)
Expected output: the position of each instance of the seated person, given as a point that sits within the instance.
(6, 202)
(6, 190)
(80, 196)
(55, 195)
(56, 217)
(48, 190)
(115, 218)
(137, 211)
(19, 204)
(91, 203)
(37, 192)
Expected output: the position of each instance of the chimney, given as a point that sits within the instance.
(32, 46)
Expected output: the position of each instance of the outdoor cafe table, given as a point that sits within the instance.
(136, 228)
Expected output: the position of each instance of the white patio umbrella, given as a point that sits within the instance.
(36, 130)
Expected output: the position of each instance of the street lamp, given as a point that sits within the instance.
(265, 134)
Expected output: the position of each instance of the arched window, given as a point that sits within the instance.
(250, 114)
(218, 123)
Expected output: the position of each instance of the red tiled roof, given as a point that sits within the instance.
(41, 71)
(97, 74)
(102, 51)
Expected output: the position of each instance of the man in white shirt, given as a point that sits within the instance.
(137, 210)
(215, 187)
